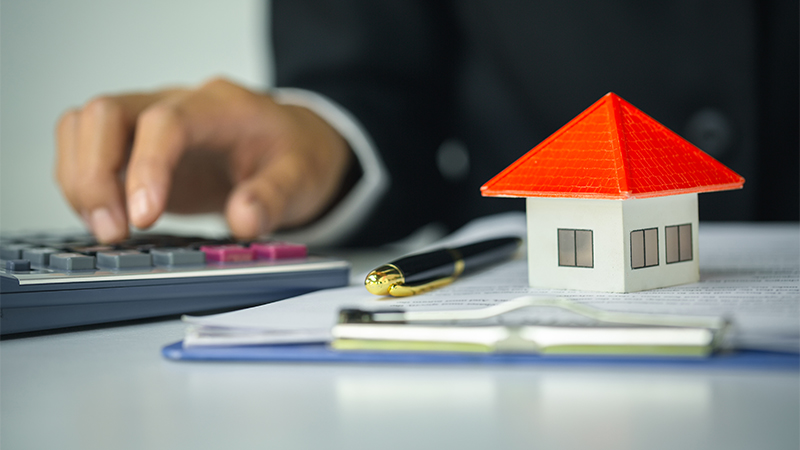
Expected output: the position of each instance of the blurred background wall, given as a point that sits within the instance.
(59, 54)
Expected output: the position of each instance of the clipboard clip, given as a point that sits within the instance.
(624, 333)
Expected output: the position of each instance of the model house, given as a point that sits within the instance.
(612, 201)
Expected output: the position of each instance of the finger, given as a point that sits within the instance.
(280, 194)
(66, 155)
(104, 128)
(296, 183)
(210, 117)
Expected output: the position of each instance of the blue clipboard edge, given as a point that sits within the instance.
(321, 353)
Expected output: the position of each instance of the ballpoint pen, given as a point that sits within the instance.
(423, 272)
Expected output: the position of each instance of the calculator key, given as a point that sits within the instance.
(138, 246)
(177, 257)
(204, 242)
(13, 251)
(50, 241)
(39, 256)
(69, 244)
(18, 265)
(279, 250)
(147, 237)
(92, 250)
(174, 242)
(227, 253)
(123, 259)
(71, 261)
(133, 243)
(33, 239)
(146, 248)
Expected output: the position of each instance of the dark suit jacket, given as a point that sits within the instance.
(494, 78)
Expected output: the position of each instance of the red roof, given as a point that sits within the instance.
(612, 151)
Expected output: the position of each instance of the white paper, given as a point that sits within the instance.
(749, 273)
(309, 318)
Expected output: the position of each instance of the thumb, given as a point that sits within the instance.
(300, 177)
(273, 197)
(247, 218)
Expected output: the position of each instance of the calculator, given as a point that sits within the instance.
(50, 281)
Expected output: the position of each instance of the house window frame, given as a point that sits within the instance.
(575, 257)
(645, 254)
(681, 254)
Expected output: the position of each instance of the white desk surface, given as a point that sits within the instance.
(110, 388)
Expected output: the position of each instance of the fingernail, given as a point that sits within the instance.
(139, 206)
(259, 215)
(103, 225)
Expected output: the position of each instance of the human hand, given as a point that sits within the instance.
(219, 147)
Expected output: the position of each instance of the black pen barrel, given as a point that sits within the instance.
(426, 266)
(442, 263)
(488, 252)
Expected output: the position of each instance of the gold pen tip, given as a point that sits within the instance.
(379, 280)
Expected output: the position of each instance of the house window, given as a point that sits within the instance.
(575, 248)
(644, 248)
(679, 243)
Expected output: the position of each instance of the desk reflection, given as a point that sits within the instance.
(502, 407)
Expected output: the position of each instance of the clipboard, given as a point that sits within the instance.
(322, 353)
(380, 344)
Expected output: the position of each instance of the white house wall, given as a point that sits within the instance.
(611, 222)
(661, 212)
(603, 217)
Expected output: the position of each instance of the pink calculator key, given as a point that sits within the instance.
(227, 253)
(279, 250)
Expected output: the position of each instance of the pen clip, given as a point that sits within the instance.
(406, 290)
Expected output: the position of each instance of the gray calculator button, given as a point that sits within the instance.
(18, 265)
(39, 256)
(71, 261)
(92, 250)
(123, 259)
(13, 251)
(177, 257)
